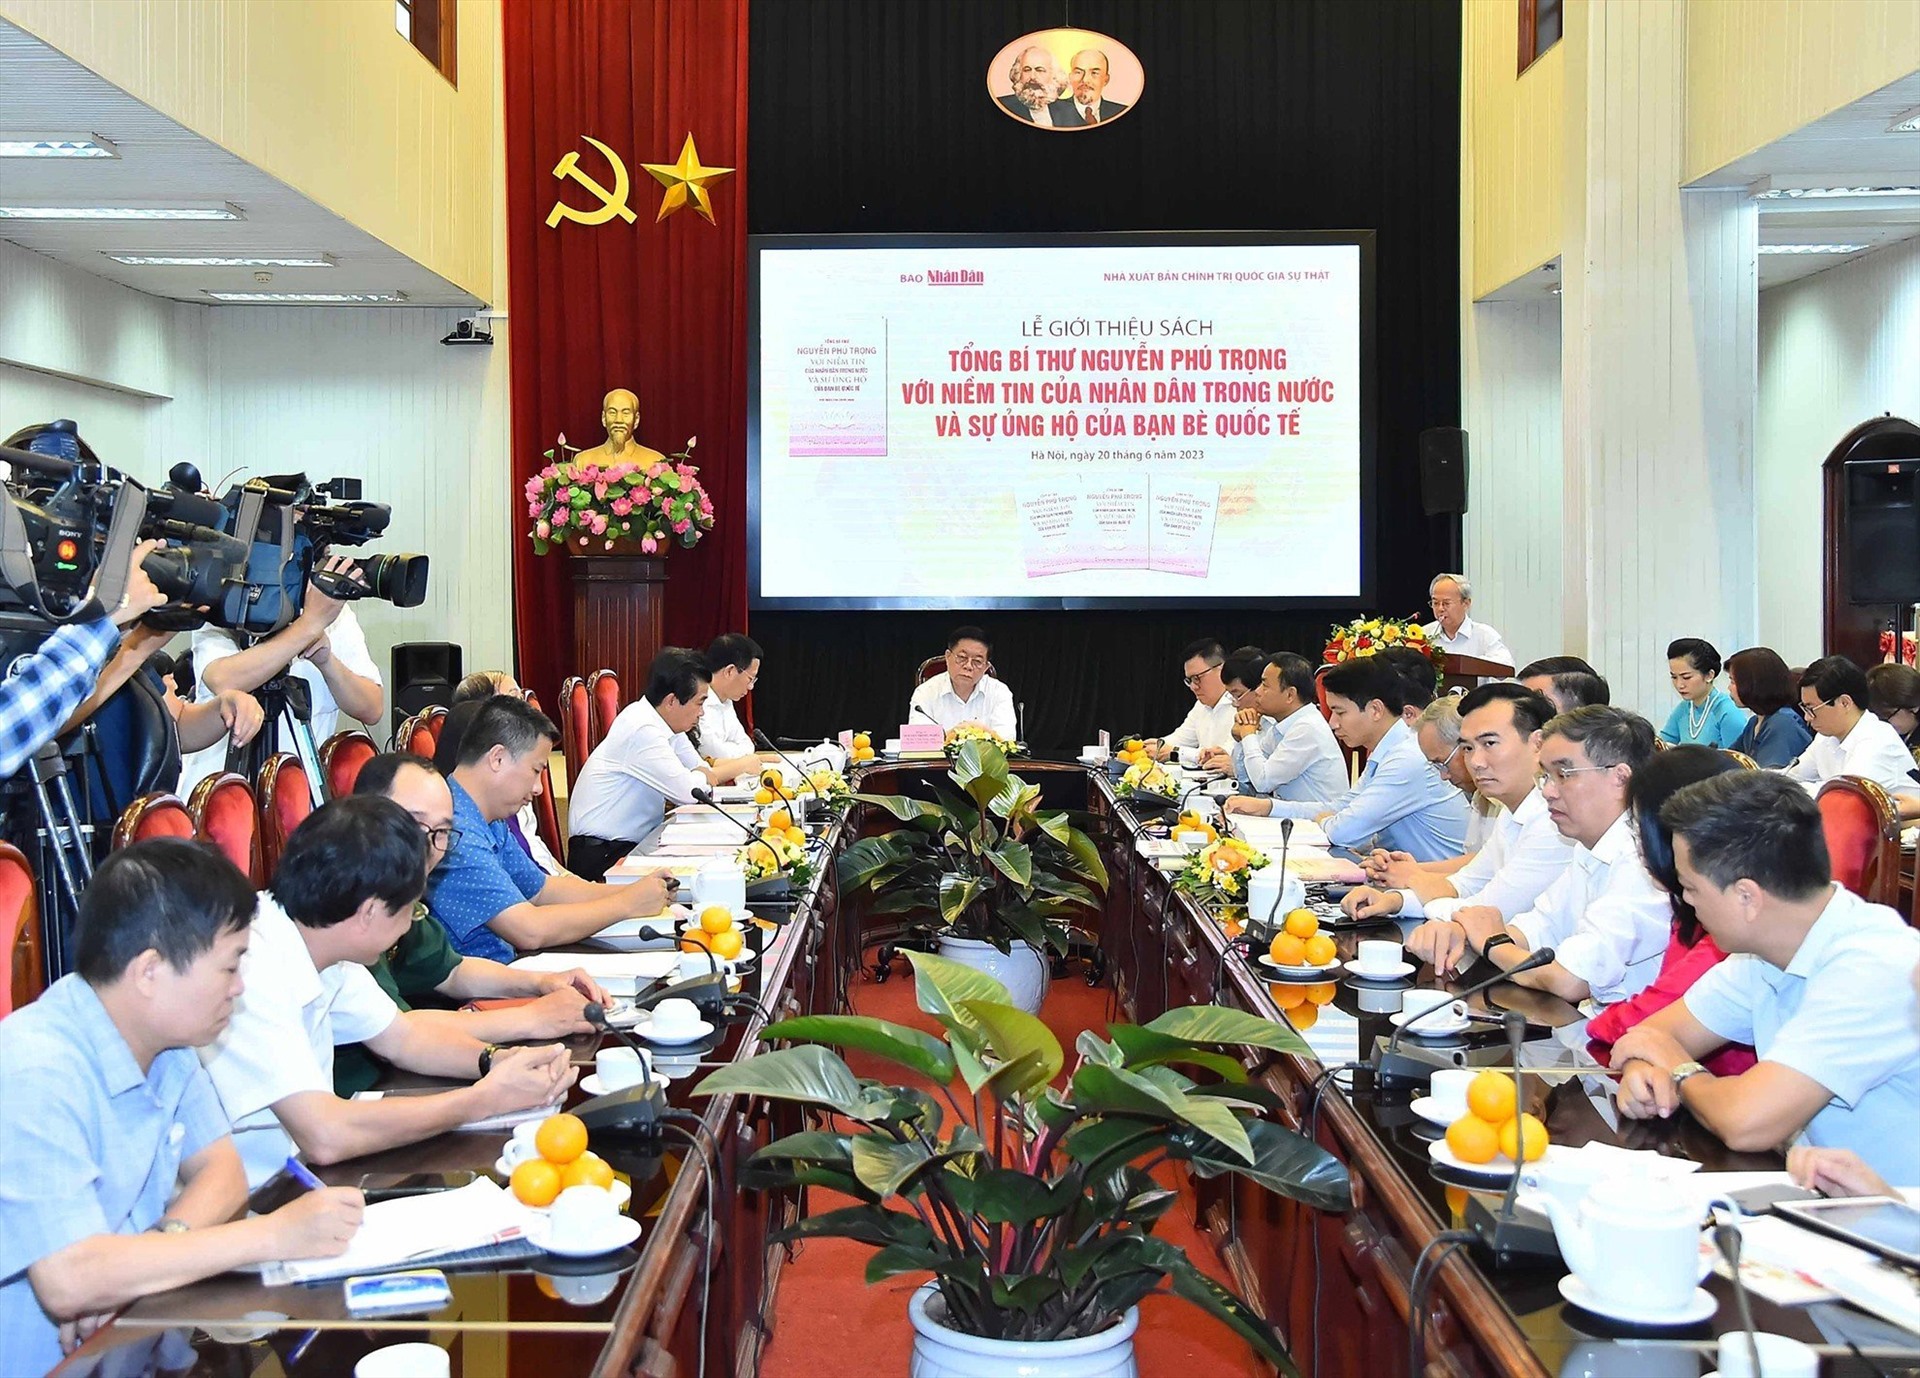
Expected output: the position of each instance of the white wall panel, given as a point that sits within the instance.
(1836, 349)
(1511, 368)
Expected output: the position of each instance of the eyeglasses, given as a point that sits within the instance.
(1440, 766)
(446, 839)
(1191, 680)
(1561, 774)
(967, 660)
(1238, 695)
(1807, 710)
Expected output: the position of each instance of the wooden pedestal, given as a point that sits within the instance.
(619, 611)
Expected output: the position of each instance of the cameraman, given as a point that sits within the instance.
(323, 647)
(200, 725)
(47, 683)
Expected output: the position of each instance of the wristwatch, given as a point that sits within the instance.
(1486, 948)
(166, 1224)
(486, 1058)
(1683, 1071)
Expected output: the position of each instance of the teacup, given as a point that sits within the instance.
(1418, 1003)
(1449, 1088)
(721, 883)
(676, 1018)
(581, 1215)
(518, 1151)
(1780, 1357)
(619, 1068)
(1273, 892)
(1191, 838)
(893, 746)
(1093, 755)
(1373, 955)
(405, 1361)
(1190, 758)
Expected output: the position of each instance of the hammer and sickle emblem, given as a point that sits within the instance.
(612, 203)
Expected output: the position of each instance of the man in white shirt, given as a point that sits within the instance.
(1819, 982)
(343, 893)
(1451, 596)
(1209, 723)
(1500, 740)
(964, 693)
(734, 662)
(1282, 749)
(1848, 739)
(323, 648)
(1606, 919)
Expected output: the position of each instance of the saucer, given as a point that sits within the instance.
(1499, 1170)
(693, 1034)
(620, 1233)
(1392, 973)
(1434, 1028)
(593, 1086)
(1701, 1306)
(1300, 973)
(1428, 1109)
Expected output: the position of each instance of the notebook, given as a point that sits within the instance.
(418, 1231)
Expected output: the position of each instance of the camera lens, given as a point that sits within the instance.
(397, 579)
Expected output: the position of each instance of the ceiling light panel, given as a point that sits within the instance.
(312, 298)
(121, 213)
(221, 261)
(1811, 248)
(91, 147)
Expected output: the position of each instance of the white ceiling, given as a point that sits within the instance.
(45, 94)
(1850, 147)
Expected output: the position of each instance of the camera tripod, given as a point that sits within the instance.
(42, 813)
(286, 703)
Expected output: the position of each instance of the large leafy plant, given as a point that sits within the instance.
(1032, 1204)
(981, 862)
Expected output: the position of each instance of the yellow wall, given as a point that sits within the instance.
(1759, 69)
(324, 95)
(1511, 148)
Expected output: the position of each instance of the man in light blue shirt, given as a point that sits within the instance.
(118, 1176)
(1283, 752)
(1819, 982)
(1403, 803)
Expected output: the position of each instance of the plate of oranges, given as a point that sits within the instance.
(718, 929)
(1300, 951)
(1491, 1136)
(561, 1159)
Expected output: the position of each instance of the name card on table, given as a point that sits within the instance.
(846, 740)
(921, 736)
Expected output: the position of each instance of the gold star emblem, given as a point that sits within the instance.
(685, 181)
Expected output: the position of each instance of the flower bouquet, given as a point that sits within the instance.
(1365, 635)
(1150, 779)
(973, 732)
(828, 788)
(592, 508)
(1221, 868)
(1886, 647)
(775, 854)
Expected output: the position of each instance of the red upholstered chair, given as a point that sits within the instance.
(1741, 759)
(19, 931)
(153, 815)
(224, 814)
(576, 724)
(1354, 759)
(434, 719)
(603, 688)
(416, 736)
(286, 798)
(1863, 838)
(341, 757)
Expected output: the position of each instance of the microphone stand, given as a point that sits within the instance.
(1727, 1239)
(767, 742)
(1397, 1069)
(1508, 1236)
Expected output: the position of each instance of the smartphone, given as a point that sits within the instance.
(1878, 1224)
(423, 1289)
(388, 1186)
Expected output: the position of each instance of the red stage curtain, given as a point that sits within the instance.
(660, 309)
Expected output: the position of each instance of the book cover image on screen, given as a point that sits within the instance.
(1047, 422)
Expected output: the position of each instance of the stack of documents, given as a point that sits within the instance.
(1264, 833)
(414, 1231)
(622, 973)
(683, 866)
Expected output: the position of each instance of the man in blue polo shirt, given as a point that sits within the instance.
(492, 898)
(106, 1112)
(1816, 979)
(1403, 803)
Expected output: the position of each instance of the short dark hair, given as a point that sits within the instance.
(1831, 676)
(1207, 648)
(175, 896)
(1697, 653)
(1582, 690)
(1763, 679)
(481, 684)
(1243, 669)
(1611, 736)
(1366, 678)
(1647, 793)
(502, 720)
(1890, 688)
(376, 777)
(676, 673)
(1755, 825)
(1555, 665)
(1297, 671)
(1531, 710)
(735, 649)
(453, 733)
(1415, 668)
(959, 634)
(347, 852)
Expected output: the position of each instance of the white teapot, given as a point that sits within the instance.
(720, 882)
(1634, 1241)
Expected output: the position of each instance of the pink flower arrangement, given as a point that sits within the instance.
(596, 505)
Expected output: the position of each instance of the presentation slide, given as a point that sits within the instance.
(1059, 423)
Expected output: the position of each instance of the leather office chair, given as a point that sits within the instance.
(152, 815)
(225, 814)
(286, 798)
(341, 757)
(576, 724)
(19, 931)
(1863, 838)
(603, 689)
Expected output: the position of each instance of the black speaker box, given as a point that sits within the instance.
(422, 675)
(1443, 470)
(1882, 525)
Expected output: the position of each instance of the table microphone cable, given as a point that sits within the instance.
(710, 1162)
(1425, 1269)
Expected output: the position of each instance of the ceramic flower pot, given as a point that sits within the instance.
(1022, 971)
(942, 1352)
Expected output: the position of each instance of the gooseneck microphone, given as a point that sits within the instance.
(767, 742)
(705, 796)
(1286, 836)
(1508, 1235)
(1396, 1070)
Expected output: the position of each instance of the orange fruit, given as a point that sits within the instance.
(797, 836)
(763, 795)
(1303, 1016)
(560, 1138)
(770, 775)
(588, 1170)
(1133, 743)
(545, 1284)
(1323, 993)
(1302, 923)
(1535, 1134)
(1492, 1097)
(1457, 1204)
(697, 940)
(1288, 950)
(1321, 949)
(728, 945)
(1288, 997)
(536, 1182)
(716, 918)
(779, 820)
(1473, 1140)
(861, 741)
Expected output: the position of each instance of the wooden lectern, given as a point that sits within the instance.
(619, 613)
(1464, 672)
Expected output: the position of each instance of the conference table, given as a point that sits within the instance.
(1337, 1285)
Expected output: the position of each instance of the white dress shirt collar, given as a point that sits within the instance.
(1614, 844)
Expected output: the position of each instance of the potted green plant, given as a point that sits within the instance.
(1032, 1204)
(985, 871)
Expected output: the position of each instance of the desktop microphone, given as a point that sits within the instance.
(1510, 1236)
(595, 1014)
(1020, 721)
(1727, 1239)
(928, 716)
(705, 796)
(1395, 1069)
(767, 742)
